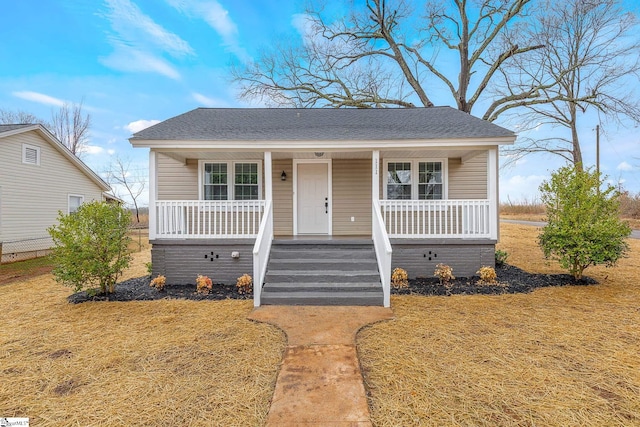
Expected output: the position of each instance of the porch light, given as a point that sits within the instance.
(283, 176)
(319, 154)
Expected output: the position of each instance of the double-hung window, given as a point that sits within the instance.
(230, 180)
(415, 179)
(75, 200)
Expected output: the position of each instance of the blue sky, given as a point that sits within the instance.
(133, 62)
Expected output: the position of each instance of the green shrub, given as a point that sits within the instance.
(91, 246)
(501, 257)
(583, 224)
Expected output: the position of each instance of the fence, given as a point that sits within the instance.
(18, 250)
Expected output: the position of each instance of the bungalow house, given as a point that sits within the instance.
(39, 176)
(322, 204)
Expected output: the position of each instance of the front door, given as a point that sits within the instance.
(313, 208)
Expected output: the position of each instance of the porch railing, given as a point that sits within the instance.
(436, 218)
(261, 251)
(195, 219)
(383, 249)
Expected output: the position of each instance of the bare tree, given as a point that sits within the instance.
(590, 61)
(373, 57)
(19, 117)
(119, 173)
(71, 126)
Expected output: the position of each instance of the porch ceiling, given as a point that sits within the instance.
(463, 153)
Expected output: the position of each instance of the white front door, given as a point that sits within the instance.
(313, 198)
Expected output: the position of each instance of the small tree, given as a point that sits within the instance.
(91, 246)
(584, 227)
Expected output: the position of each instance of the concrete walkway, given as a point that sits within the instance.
(320, 383)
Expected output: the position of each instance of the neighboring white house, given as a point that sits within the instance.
(409, 188)
(39, 176)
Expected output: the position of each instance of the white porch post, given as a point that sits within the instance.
(375, 175)
(153, 194)
(492, 189)
(268, 176)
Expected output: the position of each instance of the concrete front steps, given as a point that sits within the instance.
(322, 272)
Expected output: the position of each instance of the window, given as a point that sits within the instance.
(430, 181)
(215, 181)
(74, 202)
(416, 179)
(230, 181)
(30, 154)
(399, 180)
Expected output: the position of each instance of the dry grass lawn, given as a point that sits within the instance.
(167, 362)
(556, 357)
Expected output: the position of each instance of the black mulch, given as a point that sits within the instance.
(511, 280)
(138, 289)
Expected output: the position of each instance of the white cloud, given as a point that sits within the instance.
(111, 152)
(207, 101)
(139, 42)
(139, 125)
(39, 98)
(93, 149)
(131, 60)
(134, 26)
(217, 17)
(624, 166)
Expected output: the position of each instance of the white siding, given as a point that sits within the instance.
(32, 195)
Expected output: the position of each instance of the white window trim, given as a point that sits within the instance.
(69, 196)
(415, 175)
(24, 154)
(231, 170)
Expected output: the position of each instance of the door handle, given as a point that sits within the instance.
(326, 205)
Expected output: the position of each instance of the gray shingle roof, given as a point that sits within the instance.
(9, 128)
(252, 124)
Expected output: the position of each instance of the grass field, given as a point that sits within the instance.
(556, 357)
(154, 363)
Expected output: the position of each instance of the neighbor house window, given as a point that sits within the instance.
(415, 179)
(74, 202)
(230, 181)
(30, 154)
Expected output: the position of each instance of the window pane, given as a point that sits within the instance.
(246, 180)
(399, 180)
(215, 181)
(430, 172)
(74, 203)
(215, 173)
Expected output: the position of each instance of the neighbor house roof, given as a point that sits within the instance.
(8, 130)
(297, 124)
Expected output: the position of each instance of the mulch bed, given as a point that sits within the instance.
(138, 289)
(511, 280)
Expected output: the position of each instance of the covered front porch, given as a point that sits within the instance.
(378, 194)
